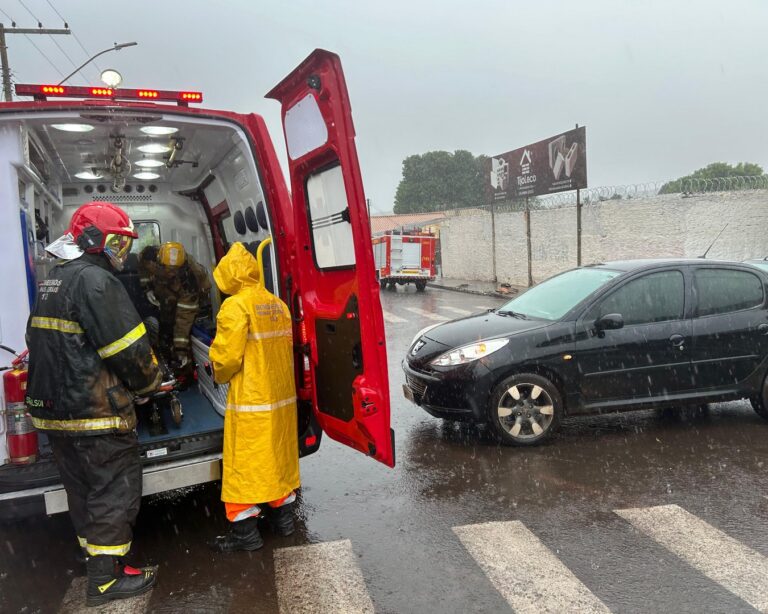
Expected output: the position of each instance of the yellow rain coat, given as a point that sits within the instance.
(253, 352)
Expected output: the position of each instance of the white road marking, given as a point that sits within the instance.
(718, 556)
(392, 318)
(427, 314)
(524, 571)
(320, 578)
(74, 602)
(483, 307)
(461, 312)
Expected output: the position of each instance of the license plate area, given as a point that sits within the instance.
(408, 393)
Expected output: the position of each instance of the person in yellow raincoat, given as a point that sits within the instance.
(253, 352)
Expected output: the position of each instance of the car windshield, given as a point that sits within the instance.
(760, 264)
(553, 298)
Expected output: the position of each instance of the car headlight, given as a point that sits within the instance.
(421, 332)
(468, 353)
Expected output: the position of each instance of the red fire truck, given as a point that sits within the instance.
(405, 259)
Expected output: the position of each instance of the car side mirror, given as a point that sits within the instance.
(610, 321)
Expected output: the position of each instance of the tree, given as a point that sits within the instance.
(716, 170)
(439, 180)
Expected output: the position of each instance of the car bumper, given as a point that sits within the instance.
(457, 394)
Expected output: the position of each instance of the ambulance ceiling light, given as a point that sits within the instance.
(73, 127)
(88, 175)
(148, 163)
(154, 148)
(146, 175)
(158, 130)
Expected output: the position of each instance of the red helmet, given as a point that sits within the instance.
(98, 227)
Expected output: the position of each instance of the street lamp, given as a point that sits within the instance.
(89, 60)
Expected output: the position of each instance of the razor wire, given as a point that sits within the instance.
(619, 193)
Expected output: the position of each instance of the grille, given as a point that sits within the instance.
(124, 198)
(418, 387)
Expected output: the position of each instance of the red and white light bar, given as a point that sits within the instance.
(43, 92)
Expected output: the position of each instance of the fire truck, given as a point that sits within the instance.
(204, 178)
(405, 259)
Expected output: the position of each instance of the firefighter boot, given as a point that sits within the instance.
(242, 535)
(281, 519)
(108, 580)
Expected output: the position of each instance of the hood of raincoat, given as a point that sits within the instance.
(237, 270)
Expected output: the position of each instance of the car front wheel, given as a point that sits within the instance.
(760, 401)
(525, 409)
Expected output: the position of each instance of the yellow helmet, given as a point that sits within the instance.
(171, 254)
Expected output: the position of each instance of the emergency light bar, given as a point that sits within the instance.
(43, 92)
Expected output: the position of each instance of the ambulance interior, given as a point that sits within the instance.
(180, 178)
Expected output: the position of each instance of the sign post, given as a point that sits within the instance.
(556, 164)
(578, 222)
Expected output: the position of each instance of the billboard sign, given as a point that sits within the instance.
(557, 164)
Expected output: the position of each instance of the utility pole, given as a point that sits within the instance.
(578, 223)
(4, 50)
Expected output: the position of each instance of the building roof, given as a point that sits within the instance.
(382, 223)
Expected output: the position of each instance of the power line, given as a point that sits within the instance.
(55, 11)
(8, 16)
(56, 68)
(66, 55)
(39, 23)
(77, 38)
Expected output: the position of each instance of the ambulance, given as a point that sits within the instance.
(207, 179)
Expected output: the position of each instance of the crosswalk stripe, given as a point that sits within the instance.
(461, 312)
(718, 556)
(524, 571)
(392, 318)
(74, 602)
(320, 578)
(427, 314)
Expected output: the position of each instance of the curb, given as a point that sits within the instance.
(467, 290)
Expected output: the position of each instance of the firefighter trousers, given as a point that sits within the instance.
(102, 477)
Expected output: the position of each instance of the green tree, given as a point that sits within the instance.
(716, 170)
(439, 180)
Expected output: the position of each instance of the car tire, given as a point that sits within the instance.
(760, 401)
(383, 284)
(515, 410)
(420, 286)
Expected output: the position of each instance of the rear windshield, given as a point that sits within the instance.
(552, 299)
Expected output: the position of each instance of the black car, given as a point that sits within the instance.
(614, 336)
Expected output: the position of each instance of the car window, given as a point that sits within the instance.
(555, 297)
(726, 290)
(656, 297)
(760, 264)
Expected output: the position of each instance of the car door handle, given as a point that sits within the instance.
(677, 341)
(763, 329)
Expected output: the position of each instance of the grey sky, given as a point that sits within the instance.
(664, 87)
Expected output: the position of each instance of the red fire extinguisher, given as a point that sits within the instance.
(21, 436)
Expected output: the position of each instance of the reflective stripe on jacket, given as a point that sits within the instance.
(88, 352)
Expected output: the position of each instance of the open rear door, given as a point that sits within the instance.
(336, 295)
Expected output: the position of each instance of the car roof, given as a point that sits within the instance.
(643, 263)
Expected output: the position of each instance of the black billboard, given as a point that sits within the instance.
(557, 164)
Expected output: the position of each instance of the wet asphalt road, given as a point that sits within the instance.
(417, 538)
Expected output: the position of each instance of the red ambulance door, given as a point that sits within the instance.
(336, 292)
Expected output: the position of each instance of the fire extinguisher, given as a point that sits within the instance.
(21, 436)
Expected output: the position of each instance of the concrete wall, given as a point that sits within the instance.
(655, 227)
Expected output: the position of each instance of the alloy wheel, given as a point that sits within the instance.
(525, 411)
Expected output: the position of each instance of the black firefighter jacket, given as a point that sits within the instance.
(88, 352)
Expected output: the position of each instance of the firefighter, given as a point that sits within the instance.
(176, 285)
(253, 352)
(88, 357)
